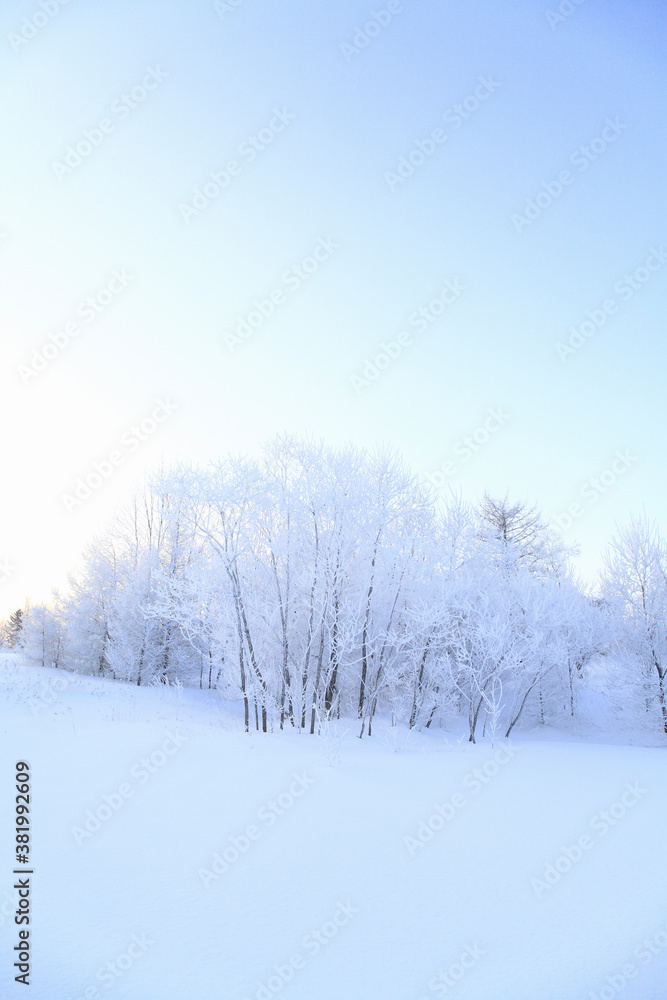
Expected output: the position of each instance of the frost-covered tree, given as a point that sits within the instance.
(12, 629)
(43, 633)
(634, 582)
(311, 582)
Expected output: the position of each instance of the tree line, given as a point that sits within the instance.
(316, 582)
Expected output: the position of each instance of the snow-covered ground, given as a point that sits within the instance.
(178, 858)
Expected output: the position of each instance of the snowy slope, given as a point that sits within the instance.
(328, 893)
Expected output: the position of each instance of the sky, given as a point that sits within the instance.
(439, 226)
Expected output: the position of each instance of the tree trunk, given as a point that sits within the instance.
(364, 635)
(333, 657)
(418, 686)
(569, 668)
(663, 703)
(320, 657)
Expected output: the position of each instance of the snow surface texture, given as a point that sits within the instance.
(344, 880)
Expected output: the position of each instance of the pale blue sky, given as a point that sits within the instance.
(323, 177)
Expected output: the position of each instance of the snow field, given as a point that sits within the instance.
(444, 869)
